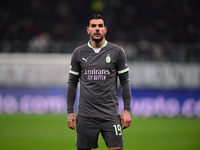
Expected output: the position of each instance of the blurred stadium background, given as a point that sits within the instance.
(161, 39)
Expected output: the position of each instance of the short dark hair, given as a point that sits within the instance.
(96, 16)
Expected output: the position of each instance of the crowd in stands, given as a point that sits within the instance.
(130, 21)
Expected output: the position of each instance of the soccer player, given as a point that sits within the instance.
(97, 65)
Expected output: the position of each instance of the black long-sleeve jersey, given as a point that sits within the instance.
(97, 70)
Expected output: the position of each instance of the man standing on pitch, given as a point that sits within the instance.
(98, 64)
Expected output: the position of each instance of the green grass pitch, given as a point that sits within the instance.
(50, 132)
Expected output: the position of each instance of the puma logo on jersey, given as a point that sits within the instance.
(85, 59)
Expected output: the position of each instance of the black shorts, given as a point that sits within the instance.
(88, 129)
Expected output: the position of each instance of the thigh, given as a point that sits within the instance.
(112, 132)
(87, 132)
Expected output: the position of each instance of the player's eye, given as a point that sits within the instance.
(100, 25)
(93, 25)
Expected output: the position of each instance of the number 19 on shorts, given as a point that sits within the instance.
(118, 129)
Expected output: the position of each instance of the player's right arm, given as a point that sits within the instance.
(71, 90)
(71, 97)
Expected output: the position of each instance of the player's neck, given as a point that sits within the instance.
(97, 44)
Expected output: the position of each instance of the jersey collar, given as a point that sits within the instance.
(89, 45)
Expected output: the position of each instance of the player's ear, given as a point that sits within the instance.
(87, 29)
(106, 30)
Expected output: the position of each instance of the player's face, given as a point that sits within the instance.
(97, 30)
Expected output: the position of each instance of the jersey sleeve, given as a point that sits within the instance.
(75, 64)
(72, 82)
(122, 65)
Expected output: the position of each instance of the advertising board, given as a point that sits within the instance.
(144, 103)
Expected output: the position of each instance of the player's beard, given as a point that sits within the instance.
(97, 40)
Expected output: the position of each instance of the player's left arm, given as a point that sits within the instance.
(126, 96)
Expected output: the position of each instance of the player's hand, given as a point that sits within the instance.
(125, 119)
(71, 121)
